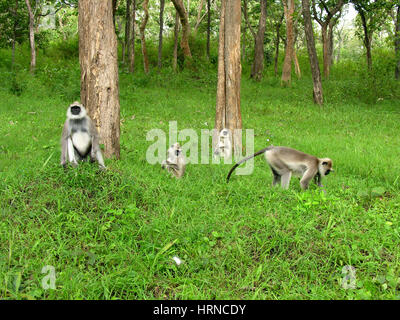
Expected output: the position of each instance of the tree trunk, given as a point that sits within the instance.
(367, 38)
(142, 36)
(229, 72)
(312, 53)
(397, 44)
(244, 30)
(15, 14)
(99, 70)
(160, 35)
(288, 6)
(199, 18)
(296, 65)
(278, 38)
(330, 42)
(31, 36)
(133, 38)
(325, 50)
(258, 63)
(176, 34)
(208, 27)
(127, 43)
(180, 8)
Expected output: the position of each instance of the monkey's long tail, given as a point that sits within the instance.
(244, 160)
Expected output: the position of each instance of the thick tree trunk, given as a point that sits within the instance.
(99, 70)
(127, 43)
(31, 36)
(160, 35)
(180, 8)
(176, 34)
(133, 38)
(397, 44)
(258, 63)
(312, 53)
(287, 64)
(229, 73)
(142, 35)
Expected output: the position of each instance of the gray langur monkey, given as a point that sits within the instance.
(79, 138)
(286, 161)
(224, 145)
(175, 162)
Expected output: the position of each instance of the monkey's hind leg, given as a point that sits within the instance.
(277, 177)
(285, 179)
(71, 153)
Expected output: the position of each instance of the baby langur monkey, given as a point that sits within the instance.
(286, 161)
(175, 162)
(79, 138)
(224, 146)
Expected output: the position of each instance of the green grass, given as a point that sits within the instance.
(112, 234)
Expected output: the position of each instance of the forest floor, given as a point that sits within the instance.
(113, 234)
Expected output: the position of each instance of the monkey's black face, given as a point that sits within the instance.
(327, 172)
(75, 110)
(177, 152)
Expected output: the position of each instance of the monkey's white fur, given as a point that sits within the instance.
(175, 162)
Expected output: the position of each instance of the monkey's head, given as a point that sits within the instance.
(325, 166)
(76, 111)
(174, 151)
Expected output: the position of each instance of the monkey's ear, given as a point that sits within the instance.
(324, 163)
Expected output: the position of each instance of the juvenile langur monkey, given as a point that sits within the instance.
(224, 146)
(286, 161)
(175, 162)
(79, 138)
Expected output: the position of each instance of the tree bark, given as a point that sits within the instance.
(99, 70)
(312, 53)
(143, 37)
(288, 6)
(31, 36)
(367, 38)
(228, 113)
(160, 35)
(133, 38)
(180, 8)
(176, 34)
(258, 63)
(397, 44)
(15, 14)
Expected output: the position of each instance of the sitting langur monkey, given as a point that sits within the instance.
(79, 138)
(224, 146)
(286, 161)
(175, 162)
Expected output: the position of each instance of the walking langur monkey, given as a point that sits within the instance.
(175, 162)
(286, 161)
(79, 138)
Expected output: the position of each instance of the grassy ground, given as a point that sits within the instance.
(112, 234)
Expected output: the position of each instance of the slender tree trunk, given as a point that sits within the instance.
(133, 38)
(287, 64)
(312, 53)
(15, 14)
(199, 18)
(127, 43)
(99, 70)
(180, 8)
(244, 30)
(31, 36)
(229, 71)
(367, 39)
(397, 44)
(332, 24)
(208, 27)
(278, 38)
(142, 36)
(176, 34)
(258, 64)
(296, 65)
(160, 36)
